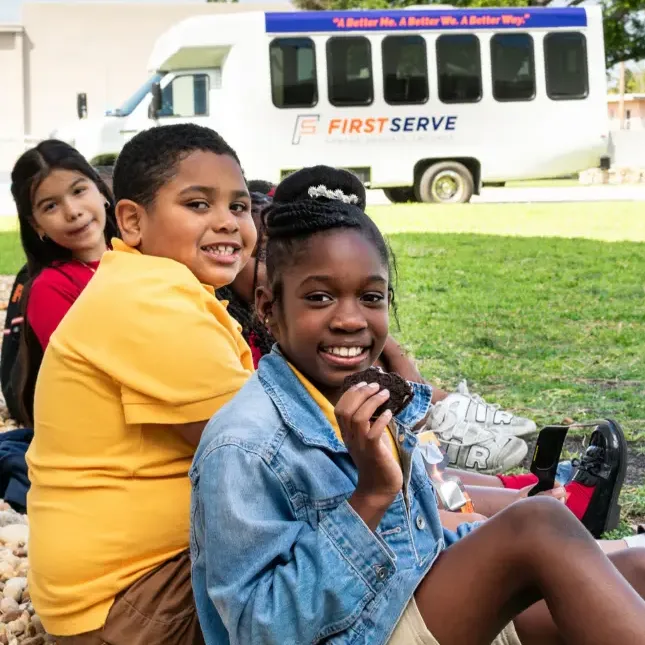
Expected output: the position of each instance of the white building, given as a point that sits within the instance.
(62, 49)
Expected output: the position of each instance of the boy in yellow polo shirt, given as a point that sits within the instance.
(143, 359)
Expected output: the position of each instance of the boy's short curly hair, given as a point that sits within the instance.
(149, 160)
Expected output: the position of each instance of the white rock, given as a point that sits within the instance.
(14, 534)
(11, 517)
(14, 588)
(7, 571)
(16, 627)
(7, 605)
(7, 555)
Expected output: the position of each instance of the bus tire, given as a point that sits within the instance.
(446, 182)
(400, 194)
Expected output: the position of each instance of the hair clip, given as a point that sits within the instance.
(338, 194)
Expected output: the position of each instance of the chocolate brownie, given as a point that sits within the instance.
(401, 392)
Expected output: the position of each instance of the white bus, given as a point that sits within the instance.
(427, 104)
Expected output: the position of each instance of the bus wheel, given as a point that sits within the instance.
(400, 195)
(447, 182)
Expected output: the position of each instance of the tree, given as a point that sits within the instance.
(635, 81)
(624, 20)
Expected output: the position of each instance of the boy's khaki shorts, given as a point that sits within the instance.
(411, 630)
(157, 609)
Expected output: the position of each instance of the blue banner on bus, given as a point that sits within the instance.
(307, 22)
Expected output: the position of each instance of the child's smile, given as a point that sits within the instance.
(345, 355)
(225, 253)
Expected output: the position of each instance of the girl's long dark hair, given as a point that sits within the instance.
(28, 173)
(253, 331)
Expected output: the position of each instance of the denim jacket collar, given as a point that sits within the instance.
(296, 407)
(305, 418)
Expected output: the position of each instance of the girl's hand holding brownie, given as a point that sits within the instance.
(379, 475)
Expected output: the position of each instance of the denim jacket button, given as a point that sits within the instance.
(381, 573)
(401, 438)
(421, 523)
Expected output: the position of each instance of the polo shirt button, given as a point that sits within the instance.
(421, 523)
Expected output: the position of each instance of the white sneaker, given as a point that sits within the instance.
(472, 408)
(470, 446)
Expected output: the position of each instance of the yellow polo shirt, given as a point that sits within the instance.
(144, 347)
(328, 410)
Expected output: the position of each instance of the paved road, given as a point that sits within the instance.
(488, 196)
(544, 194)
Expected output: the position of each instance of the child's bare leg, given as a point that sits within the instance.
(535, 626)
(471, 478)
(534, 549)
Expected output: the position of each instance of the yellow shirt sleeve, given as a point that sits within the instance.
(174, 350)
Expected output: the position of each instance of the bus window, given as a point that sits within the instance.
(349, 71)
(459, 68)
(185, 96)
(405, 70)
(565, 57)
(513, 67)
(293, 73)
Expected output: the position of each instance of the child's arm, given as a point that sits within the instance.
(488, 500)
(394, 359)
(191, 432)
(272, 576)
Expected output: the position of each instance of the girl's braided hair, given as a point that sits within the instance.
(253, 330)
(311, 201)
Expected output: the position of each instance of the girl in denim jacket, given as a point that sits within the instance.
(311, 523)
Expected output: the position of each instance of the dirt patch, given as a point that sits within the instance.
(607, 384)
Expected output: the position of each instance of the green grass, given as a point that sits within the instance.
(512, 298)
(611, 221)
(11, 254)
(547, 327)
(550, 327)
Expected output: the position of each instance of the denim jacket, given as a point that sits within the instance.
(279, 556)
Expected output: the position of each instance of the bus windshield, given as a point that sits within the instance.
(128, 107)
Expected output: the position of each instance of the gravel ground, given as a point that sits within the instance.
(18, 623)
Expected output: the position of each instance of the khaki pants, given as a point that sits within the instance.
(411, 630)
(158, 609)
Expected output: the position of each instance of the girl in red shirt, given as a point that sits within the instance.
(66, 216)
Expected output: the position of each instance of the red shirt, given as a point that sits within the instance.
(53, 292)
(255, 350)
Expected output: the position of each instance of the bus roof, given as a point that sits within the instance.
(304, 22)
(204, 40)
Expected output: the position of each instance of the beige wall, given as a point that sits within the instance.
(634, 112)
(99, 49)
(12, 91)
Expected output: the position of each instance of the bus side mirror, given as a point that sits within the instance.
(81, 105)
(155, 104)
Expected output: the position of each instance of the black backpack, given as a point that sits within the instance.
(13, 328)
